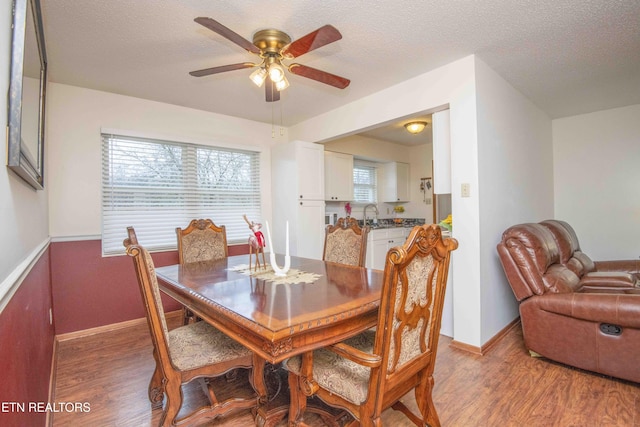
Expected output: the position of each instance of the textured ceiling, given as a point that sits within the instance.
(567, 57)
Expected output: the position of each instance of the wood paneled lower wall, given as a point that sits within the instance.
(26, 348)
(90, 290)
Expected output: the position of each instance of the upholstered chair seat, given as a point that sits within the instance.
(199, 344)
(337, 374)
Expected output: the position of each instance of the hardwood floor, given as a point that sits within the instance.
(506, 387)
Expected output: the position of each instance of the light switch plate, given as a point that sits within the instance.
(465, 190)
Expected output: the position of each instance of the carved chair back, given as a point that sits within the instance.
(346, 243)
(415, 278)
(147, 281)
(202, 240)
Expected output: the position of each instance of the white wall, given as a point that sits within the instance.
(597, 180)
(489, 121)
(452, 85)
(515, 158)
(22, 209)
(76, 116)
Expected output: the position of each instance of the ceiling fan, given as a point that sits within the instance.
(274, 46)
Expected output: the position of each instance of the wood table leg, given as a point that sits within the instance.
(274, 409)
(275, 405)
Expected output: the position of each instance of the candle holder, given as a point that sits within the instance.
(272, 255)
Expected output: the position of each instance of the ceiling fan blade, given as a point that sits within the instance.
(320, 37)
(320, 76)
(225, 32)
(222, 69)
(271, 93)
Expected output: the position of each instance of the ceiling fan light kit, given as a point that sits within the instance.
(415, 127)
(259, 76)
(282, 84)
(274, 46)
(276, 72)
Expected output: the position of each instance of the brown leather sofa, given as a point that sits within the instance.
(573, 310)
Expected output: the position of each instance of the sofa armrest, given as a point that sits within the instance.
(619, 309)
(630, 266)
(609, 280)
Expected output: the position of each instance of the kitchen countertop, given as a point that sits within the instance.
(390, 223)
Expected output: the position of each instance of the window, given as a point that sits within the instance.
(156, 186)
(364, 182)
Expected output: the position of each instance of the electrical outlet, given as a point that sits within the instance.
(428, 201)
(465, 190)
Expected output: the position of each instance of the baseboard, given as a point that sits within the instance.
(112, 327)
(481, 351)
(52, 381)
(466, 347)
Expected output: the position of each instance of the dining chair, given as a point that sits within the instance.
(194, 351)
(370, 372)
(201, 240)
(345, 242)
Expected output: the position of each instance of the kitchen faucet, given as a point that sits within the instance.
(364, 214)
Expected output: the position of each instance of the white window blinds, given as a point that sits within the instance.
(364, 182)
(156, 186)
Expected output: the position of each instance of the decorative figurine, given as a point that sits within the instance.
(256, 243)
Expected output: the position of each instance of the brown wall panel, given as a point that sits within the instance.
(90, 290)
(26, 348)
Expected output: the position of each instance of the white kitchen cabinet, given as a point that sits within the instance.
(297, 188)
(310, 170)
(310, 237)
(395, 182)
(338, 176)
(380, 241)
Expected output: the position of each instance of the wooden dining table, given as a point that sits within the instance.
(316, 304)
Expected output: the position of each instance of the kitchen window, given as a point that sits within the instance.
(156, 186)
(364, 182)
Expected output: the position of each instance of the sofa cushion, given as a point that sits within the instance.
(536, 257)
(569, 247)
(609, 279)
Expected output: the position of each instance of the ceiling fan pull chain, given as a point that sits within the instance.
(281, 127)
(273, 129)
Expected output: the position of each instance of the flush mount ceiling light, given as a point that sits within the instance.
(415, 127)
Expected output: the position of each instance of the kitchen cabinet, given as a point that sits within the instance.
(395, 182)
(310, 170)
(310, 236)
(338, 177)
(380, 241)
(297, 188)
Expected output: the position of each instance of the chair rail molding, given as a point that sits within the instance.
(12, 282)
